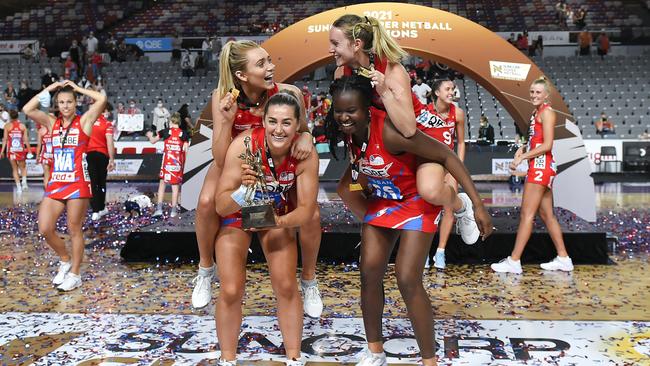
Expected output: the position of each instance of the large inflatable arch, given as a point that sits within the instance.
(431, 34)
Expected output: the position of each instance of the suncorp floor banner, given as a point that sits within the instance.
(94, 339)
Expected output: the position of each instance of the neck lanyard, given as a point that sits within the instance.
(67, 130)
(355, 161)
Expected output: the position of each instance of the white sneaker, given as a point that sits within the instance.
(312, 304)
(157, 213)
(439, 260)
(24, 185)
(465, 224)
(372, 359)
(64, 268)
(226, 363)
(558, 264)
(103, 213)
(19, 189)
(174, 212)
(95, 216)
(507, 265)
(294, 362)
(71, 282)
(202, 293)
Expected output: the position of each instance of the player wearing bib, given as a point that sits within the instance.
(101, 160)
(14, 144)
(538, 195)
(278, 184)
(395, 203)
(385, 162)
(69, 185)
(362, 46)
(541, 170)
(447, 125)
(69, 178)
(282, 172)
(245, 85)
(44, 156)
(176, 142)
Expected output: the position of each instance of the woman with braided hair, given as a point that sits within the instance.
(390, 207)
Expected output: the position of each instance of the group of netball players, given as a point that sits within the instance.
(402, 182)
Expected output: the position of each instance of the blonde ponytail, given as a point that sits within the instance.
(384, 45)
(543, 80)
(232, 59)
(374, 36)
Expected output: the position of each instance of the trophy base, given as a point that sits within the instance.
(258, 217)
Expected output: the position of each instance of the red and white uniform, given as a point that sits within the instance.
(541, 170)
(101, 128)
(441, 129)
(46, 154)
(171, 171)
(16, 149)
(277, 186)
(395, 202)
(245, 120)
(69, 177)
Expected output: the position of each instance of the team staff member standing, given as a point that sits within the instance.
(69, 185)
(101, 160)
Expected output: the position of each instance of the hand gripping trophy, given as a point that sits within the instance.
(258, 210)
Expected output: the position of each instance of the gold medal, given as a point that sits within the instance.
(355, 187)
(234, 92)
(363, 71)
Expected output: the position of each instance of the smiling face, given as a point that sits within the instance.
(445, 92)
(350, 113)
(67, 104)
(281, 126)
(538, 94)
(259, 69)
(341, 47)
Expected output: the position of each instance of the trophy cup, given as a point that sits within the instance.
(258, 209)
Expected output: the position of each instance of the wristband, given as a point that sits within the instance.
(239, 195)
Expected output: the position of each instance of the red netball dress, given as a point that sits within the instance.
(171, 171)
(46, 155)
(394, 203)
(245, 120)
(69, 178)
(279, 179)
(16, 149)
(441, 129)
(541, 170)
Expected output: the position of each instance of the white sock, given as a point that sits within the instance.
(564, 259)
(514, 261)
(440, 250)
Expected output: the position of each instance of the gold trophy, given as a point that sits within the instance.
(257, 211)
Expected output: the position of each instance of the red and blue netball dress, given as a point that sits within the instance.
(69, 178)
(278, 179)
(542, 169)
(16, 149)
(394, 202)
(245, 120)
(46, 155)
(171, 170)
(441, 129)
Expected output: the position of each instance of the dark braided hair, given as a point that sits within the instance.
(356, 83)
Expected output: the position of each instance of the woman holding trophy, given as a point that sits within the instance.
(258, 173)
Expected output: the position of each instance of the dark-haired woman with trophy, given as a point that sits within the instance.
(261, 158)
